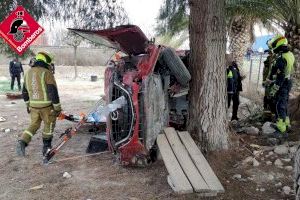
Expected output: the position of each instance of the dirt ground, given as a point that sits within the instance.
(99, 177)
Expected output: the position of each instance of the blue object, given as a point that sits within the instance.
(261, 42)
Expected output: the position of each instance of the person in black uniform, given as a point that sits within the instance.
(234, 87)
(15, 70)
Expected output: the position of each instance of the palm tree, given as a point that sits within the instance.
(173, 18)
(284, 14)
(241, 15)
(240, 36)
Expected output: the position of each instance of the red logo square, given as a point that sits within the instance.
(19, 30)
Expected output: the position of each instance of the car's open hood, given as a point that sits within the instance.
(128, 38)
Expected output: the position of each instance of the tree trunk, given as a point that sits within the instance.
(292, 33)
(207, 113)
(75, 62)
(240, 34)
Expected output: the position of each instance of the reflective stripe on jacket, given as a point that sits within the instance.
(283, 68)
(290, 60)
(234, 83)
(40, 88)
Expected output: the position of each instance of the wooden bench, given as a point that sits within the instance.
(188, 169)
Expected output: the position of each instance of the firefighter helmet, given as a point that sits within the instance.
(44, 57)
(278, 41)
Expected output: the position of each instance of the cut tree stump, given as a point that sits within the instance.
(188, 169)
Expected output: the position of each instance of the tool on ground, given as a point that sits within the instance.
(70, 117)
(98, 143)
(98, 114)
(82, 156)
(14, 95)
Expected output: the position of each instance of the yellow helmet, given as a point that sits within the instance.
(269, 43)
(277, 41)
(44, 57)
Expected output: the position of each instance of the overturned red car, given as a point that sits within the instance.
(154, 80)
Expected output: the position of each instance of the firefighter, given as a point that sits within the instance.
(269, 102)
(41, 97)
(234, 87)
(280, 77)
(31, 62)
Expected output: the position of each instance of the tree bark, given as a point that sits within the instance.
(75, 62)
(240, 34)
(207, 116)
(292, 33)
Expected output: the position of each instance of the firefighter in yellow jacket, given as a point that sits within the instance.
(41, 97)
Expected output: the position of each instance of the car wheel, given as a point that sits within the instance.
(176, 66)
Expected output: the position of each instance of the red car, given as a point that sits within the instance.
(153, 79)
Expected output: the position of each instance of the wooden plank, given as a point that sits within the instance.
(204, 168)
(185, 161)
(177, 178)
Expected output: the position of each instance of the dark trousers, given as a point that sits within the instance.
(13, 78)
(235, 98)
(283, 99)
(269, 104)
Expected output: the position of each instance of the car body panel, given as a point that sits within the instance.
(147, 63)
(129, 38)
(132, 134)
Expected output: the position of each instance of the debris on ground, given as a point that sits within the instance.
(2, 119)
(281, 149)
(279, 184)
(287, 160)
(237, 176)
(288, 168)
(293, 150)
(262, 189)
(269, 162)
(271, 177)
(267, 128)
(247, 160)
(38, 187)
(286, 190)
(251, 130)
(67, 175)
(7, 130)
(278, 163)
(255, 163)
(14, 95)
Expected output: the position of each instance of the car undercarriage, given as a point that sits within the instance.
(154, 80)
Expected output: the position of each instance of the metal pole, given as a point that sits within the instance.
(260, 59)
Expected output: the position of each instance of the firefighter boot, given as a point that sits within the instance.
(21, 145)
(287, 123)
(47, 146)
(280, 133)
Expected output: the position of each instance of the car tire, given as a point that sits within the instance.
(176, 66)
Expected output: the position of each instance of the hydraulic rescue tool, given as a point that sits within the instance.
(97, 115)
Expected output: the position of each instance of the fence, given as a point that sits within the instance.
(64, 55)
(253, 68)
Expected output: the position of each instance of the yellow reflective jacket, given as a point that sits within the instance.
(39, 89)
